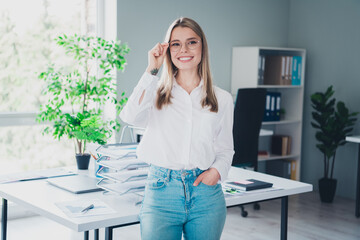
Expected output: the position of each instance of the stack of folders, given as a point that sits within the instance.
(272, 106)
(121, 171)
(279, 70)
(282, 168)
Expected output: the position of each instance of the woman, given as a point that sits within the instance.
(188, 138)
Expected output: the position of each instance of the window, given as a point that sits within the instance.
(27, 30)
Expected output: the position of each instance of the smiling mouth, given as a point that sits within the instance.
(185, 59)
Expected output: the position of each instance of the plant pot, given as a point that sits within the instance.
(82, 161)
(327, 188)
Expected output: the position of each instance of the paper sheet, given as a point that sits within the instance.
(74, 208)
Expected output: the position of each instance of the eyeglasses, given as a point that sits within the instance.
(192, 44)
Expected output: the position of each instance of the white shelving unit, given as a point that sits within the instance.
(245, 71)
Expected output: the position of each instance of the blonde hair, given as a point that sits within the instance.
(169, 69)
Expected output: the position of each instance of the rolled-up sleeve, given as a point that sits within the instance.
(223, 144)
(136, 113)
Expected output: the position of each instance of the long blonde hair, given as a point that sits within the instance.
(169, 69)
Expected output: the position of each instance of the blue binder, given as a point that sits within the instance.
(296, 70)
(277, 106)
(267, 116)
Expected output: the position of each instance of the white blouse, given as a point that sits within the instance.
(182, 135)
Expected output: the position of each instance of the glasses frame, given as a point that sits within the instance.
(187, 46)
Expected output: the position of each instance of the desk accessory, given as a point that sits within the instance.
(121, 170)
(85, 210)
(250, 184)
(76, 184)
(81, 208)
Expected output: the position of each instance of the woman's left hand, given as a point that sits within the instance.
(209, 177)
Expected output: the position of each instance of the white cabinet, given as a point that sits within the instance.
(247, 72)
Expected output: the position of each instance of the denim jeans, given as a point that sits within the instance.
(172, 206)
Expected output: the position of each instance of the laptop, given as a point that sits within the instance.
(76, 184)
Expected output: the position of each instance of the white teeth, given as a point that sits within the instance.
(185, 58)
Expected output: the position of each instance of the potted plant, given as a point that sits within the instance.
(75, 100)
(333, 124)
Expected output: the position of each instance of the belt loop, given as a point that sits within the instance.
(168, 174)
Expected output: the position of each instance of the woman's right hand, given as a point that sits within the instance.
(156, 57)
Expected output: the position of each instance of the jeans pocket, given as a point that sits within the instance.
(210, 186)
(156, 183)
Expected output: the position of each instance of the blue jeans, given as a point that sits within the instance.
(172, 206)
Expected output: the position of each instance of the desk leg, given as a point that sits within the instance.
(4, 219)
(284, 217)
(86, 235)
(109, 233)
(96, 234)
(357, 201)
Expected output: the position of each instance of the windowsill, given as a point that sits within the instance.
(18, 118)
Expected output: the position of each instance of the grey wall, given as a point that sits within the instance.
(226, 24)
(329, 31)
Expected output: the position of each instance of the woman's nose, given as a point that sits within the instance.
(183, 48)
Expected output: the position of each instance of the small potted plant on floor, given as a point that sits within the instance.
(75, 100)
(333, 125)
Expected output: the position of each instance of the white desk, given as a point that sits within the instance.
(40, 197)
(356, 139)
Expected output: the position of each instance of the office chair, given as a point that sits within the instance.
(248, 115)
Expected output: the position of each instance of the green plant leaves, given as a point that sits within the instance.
(333, 124)
(75, 99)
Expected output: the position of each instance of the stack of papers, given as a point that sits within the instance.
(121, 170)
(250, 184)
(123, 176)
(246, 187)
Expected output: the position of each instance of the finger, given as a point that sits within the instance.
(159, 48)
(164, 47)
(198, 180)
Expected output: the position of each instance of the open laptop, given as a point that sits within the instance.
(76, 184)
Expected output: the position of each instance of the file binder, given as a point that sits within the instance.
(274, 72)
(267, 116)
(281, 145)
(296, 70)
(272, 106)
(277, 106)
(288, 70)
(279, 168)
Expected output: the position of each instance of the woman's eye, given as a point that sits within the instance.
(192, 42)
(175, 44)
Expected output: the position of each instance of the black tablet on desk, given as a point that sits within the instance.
(76, 184)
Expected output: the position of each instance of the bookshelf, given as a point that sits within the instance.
(248, 67)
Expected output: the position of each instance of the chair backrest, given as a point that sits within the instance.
(248, 115)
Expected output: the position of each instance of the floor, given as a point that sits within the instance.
(308, 219)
